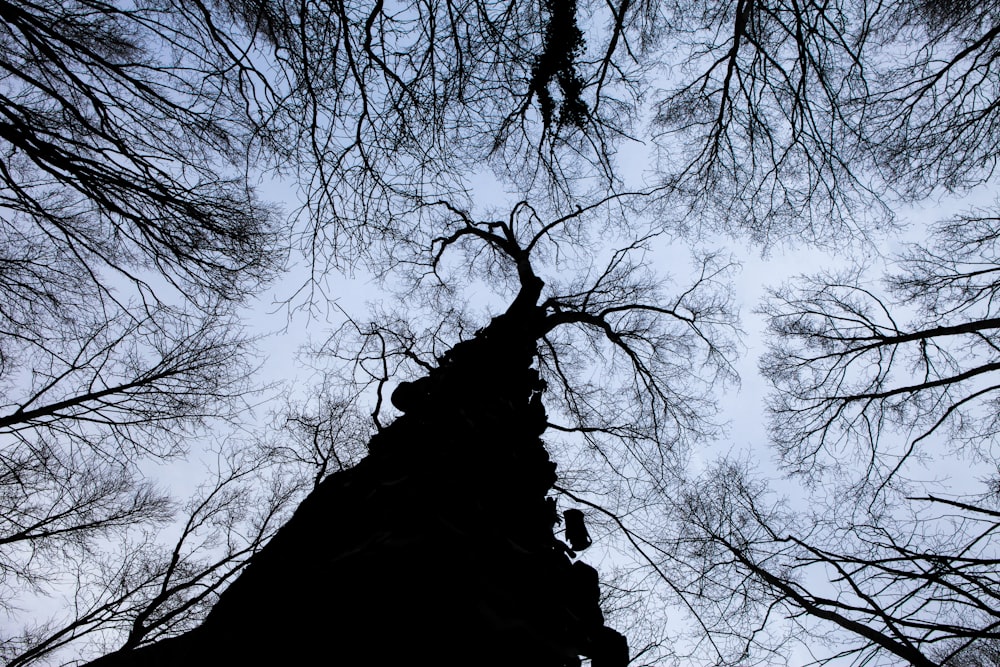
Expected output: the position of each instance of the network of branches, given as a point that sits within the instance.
(135, 138)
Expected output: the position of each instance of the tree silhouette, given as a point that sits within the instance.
(453, 490)
(916, 556)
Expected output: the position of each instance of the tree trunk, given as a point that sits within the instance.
(437, 548)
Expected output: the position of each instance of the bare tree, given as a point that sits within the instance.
(899, 587)
(629, 358)
(891, 423)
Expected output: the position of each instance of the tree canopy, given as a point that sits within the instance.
(442, 146)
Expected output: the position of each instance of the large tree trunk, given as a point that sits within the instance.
(437, 548)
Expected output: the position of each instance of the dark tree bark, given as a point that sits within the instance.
(437, 547)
